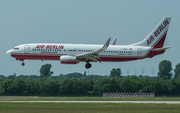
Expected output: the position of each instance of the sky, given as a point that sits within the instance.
(86, 22)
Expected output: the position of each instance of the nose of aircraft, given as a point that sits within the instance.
(9, 52)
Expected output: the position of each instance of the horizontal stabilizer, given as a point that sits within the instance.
(161, 49)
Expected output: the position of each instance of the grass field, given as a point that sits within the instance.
(85, 98)
(87, 108)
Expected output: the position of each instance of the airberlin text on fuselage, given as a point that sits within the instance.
(157, 32)
(49, 47)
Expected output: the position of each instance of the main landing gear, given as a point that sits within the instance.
(88, 65)
(23, 63)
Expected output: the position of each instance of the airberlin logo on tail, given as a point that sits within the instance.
(49, 47)
(157, 32)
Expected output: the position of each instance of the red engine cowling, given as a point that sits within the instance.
(66, 59)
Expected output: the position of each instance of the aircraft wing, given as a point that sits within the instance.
(93, 55)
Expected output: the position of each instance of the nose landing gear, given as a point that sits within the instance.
(88, 65)
(22, 61)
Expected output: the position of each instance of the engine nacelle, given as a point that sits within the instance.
(66, 59)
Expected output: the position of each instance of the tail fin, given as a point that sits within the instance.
(157, 36)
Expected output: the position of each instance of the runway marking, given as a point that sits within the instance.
(155, 102)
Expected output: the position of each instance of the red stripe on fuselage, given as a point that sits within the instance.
(102, 57)
(36, 57)
(42, 57)
(154, 53)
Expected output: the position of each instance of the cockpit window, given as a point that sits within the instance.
(16, 48)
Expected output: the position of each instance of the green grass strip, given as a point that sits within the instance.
(87, 108)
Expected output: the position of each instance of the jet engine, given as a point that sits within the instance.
(66, 59)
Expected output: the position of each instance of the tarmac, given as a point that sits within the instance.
(145, 102)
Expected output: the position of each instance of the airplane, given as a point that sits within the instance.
(151, 46)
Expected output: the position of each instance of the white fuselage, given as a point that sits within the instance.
(47, 51)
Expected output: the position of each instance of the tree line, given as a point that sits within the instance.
(77, 83)
(28, 86)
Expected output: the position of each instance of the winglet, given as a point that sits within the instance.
(106, 44)
(114, 41)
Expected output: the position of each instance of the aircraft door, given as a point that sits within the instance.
(139, 52)
(26, 49)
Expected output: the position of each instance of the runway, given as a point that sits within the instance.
(145, 102)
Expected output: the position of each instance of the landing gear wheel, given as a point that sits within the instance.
(88, 65)
(23, 64)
